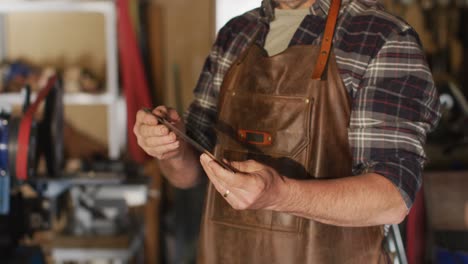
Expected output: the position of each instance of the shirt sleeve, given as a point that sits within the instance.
(393, 109)
(201, 115)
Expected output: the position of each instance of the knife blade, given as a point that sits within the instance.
(189, 140)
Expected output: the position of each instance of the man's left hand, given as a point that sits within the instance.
(255, 186)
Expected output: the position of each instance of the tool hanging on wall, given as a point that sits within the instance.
(25, 157)
(50, 131)
(135, 85)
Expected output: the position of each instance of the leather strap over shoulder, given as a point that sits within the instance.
(327, 40)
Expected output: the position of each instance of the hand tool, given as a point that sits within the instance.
(192, 142)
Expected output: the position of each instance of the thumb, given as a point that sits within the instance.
(247, 166)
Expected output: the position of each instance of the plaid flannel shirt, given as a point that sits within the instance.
(382, 64)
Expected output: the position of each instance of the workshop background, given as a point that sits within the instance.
(75, 187)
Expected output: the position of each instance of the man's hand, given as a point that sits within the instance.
(156, 139)
(177, 160)
(362, 200)
(256, 186)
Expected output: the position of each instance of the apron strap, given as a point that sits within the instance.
(327, 40)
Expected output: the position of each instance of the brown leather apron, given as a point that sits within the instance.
(272, 111)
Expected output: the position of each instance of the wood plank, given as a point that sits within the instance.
(152, 214)
(155, 43)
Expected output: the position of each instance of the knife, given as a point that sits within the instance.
(189, 140)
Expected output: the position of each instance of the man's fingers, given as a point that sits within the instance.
(160, 111)
(162, 149)
(153, 131)
(160, 141)
(173, 115)
(247, 166)
(143, 117)
(227, 177)
(220, 186)
(155, 138)
(167, 112)
(217, 176)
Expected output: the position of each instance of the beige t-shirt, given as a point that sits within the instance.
(282, 29)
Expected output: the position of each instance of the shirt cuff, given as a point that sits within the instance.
(405, 174)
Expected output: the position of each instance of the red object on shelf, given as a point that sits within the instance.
(135, 85)
(415, 231)
(24, 133)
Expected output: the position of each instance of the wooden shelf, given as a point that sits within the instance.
(111, 96)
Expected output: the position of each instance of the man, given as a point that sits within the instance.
(326, 133)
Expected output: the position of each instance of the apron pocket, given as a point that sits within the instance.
(285, 120)
(265, 220)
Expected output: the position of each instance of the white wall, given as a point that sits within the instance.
(227, 9)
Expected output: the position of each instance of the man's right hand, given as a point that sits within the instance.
(155, 138)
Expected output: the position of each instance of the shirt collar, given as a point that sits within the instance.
(321, 7)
